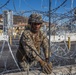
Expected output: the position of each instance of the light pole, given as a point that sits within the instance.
(50, 1)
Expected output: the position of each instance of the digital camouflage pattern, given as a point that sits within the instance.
(35, 18)
(29, 46)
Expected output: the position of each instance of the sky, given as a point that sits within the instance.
(19, 6)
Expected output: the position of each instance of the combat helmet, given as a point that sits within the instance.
(35, 18)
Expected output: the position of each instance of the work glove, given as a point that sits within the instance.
(46, 67)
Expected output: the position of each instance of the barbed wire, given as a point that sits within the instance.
(4, 4)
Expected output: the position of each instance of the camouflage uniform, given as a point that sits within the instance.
(29, 46)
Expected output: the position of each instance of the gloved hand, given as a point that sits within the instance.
(46, 67)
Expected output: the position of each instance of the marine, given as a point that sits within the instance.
(31, 43)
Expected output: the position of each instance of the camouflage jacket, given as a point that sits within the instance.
(29, 45)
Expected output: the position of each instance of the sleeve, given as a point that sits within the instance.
(29, 47)
(45, 45)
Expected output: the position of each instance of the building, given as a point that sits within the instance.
(19, 23)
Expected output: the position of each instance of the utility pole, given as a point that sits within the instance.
(49, 25)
